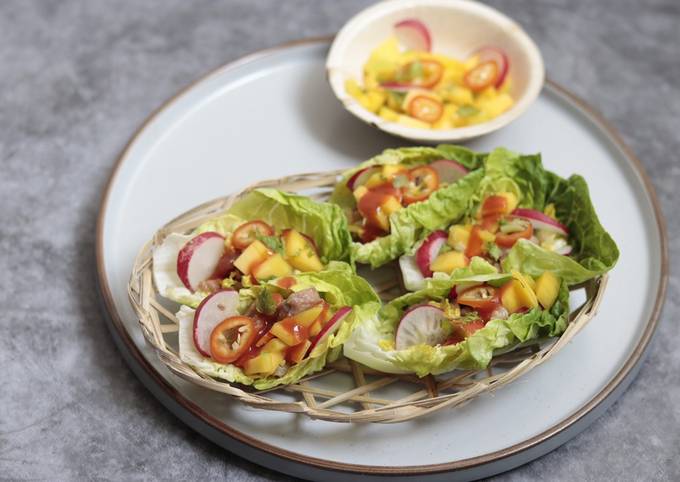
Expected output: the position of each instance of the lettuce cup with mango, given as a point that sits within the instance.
(265, 235)
(405, 82)
(460, 322)
(275, 332)
(391, 200)
(522, 216)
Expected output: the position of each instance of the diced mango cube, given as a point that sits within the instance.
(300, 252)
(253, 255)
(449, 262)
(547, 289)
(509, 298)
(289, 331)
(263, 364)
(273, 267)
(388, 114)
(390, 205)
(297, 353)
(524, 292)
(360, 192)
(511, 199)
(458, 236)
(309, 316)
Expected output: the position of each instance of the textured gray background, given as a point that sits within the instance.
(77, 78)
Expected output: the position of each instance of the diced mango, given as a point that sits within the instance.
(511, 199)
(388, 114)
(458, 236)
(307, 317)
(263, 364)
(315, 329)
(289, 331)
(252, 256)
(547, 289)
(353, 89)
(391, 170)
(411, 122)
(300, 252)
(274, 346)
(375, 180)
(524, 292)
(487, 236)
(360, 192)
(298, 352)
(273, 267)
(509, 298)
(373, 100)
(449, 262)
(390, 205)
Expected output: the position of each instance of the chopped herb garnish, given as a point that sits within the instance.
(493, 250)
(265, 302)
(274, 243)
(467, 111)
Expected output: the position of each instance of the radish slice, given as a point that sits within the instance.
(448, 171)
(564, 250)
(210, 313)
(331, 326)
(541, 221)
(413, 34)
(495, 54)
(197, 259)
(429, 250)
(397, 86)
(420, 324)
(453, 294)
(360, 177)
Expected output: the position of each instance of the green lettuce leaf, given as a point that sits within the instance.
(409, 224)
(372, 342)
(594, 253)
(416, 221)
(323, 222)
(338, 285)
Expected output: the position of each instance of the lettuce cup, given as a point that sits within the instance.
(265, 235)
(460, 322)
(522, 218)
(395, 197)
(276, 332)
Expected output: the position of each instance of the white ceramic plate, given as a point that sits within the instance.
(273, 114)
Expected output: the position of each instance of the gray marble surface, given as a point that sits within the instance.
(78, 77)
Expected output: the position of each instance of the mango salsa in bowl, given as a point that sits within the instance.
(434, 71)
(427, 90)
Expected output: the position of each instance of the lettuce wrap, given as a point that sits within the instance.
(373, 341)
(337, 285)
(408, 224)
(324, 223)
(594, 251)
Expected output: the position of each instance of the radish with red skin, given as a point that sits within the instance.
(210, 313)
(413, 34)
(541, 221)
(198, 259)
(331, 326)
(360, 177)
(401, 87)
(449, 171)
(498, 56)
(421, 324)
(429, 250)
(564, 250)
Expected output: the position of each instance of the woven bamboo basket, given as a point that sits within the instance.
(344, 391)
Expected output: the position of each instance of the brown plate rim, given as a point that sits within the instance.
(468, 463)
